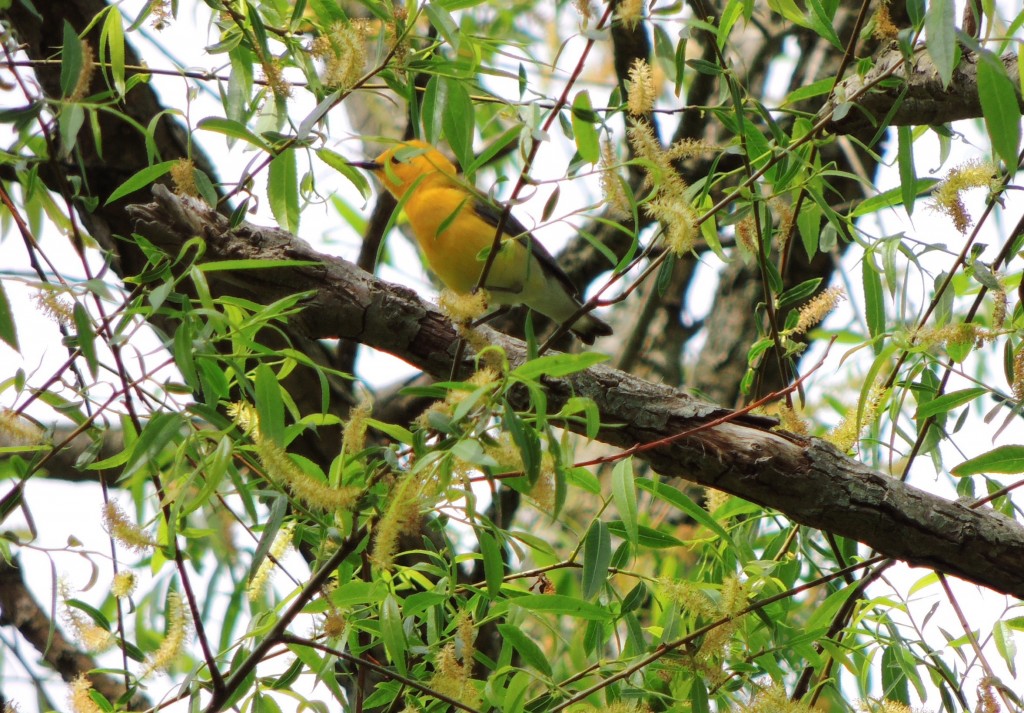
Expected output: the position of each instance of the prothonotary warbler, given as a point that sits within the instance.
(454, 226)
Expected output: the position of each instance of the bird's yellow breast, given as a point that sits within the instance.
(454, 240)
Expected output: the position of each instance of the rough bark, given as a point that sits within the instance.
(806, 479)
(914, 94)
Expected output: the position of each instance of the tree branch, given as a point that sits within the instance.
(806, 479)
(926, 101)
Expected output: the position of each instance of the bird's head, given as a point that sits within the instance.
(408, 164)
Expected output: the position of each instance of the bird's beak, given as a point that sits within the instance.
(368, 165)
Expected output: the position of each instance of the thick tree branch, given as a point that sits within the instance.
(806, 479)
(926, 101)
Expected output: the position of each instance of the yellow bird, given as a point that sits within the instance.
(454, 226)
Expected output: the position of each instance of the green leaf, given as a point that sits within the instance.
(647, 536)
(234, 130)
(140, 180)
(874, 301)
(798, 293)
(558, 365)
(494, 564)
(940, 27)
(1004, 459)
(624, 497)
(1005, 645)
(269, 404)
(562, 605)
(999, 107)
(699, 696)
(112, 39)
(340, 164)
(815, 89)
(891, 198)
(948, 402)
(393, 633)
(71, 60)
(678, 499)
(894, 680)
(162, 429)
(583, 126)
(8, 329)
(86, 337)
(905, 158)
(283, 190)
(458, 120)
(597, 554)
(528, 649)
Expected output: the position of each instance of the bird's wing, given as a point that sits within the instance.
(491, 214)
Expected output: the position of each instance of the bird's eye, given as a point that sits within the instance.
(394, 160)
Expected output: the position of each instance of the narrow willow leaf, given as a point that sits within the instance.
(584, 129)
(393, 633)
(283, 190)
(597, 554)
(528, 649)
(905, 158)
(948, 402)
(458, 120)
(624, 496)
(874, 301)
(494, 564)
(8, 330)
(940, 27)
(72, 58)
(999, 107)
(1004, 459)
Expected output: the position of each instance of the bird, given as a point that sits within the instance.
(455, 225)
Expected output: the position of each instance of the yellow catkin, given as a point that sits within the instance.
(630, 12)
(615, 198)
(885, 29)
(343, 53)
(988, 700)
(402, 517)
(642, 92)
(160, 11)
(462, 309)
(999, 305)
(18, 430)
(55, 306)
(124, 531)
(1018, 374)
(353, 436)
(94, 639)
(273, 74)
(714, 499)
(123, 584)
(183, 176)
(585, 8)
(818, 308)
(313, 493)
(773, 699)
(451, 678)
(79, 698)
(947, 195)
(847, 433)
(174, 641)
(668, 204)
(85, 74)
(278, 548)
(466, 632)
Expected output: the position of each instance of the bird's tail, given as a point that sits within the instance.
(588, 328)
